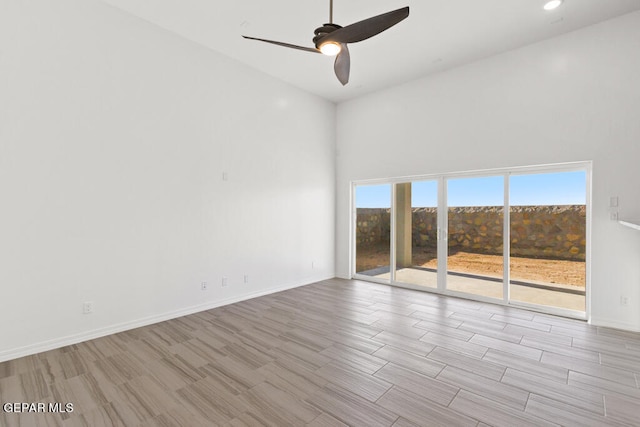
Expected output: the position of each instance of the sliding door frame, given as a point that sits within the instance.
(442, 233)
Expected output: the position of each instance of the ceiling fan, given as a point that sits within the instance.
(331, 39)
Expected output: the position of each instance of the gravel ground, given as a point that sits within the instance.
(527, 269)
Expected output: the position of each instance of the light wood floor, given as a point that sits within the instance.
(338, 353)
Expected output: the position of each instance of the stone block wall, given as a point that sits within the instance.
(373, 226)
(555, 232)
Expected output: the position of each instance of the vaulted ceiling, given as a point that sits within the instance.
(438, 35)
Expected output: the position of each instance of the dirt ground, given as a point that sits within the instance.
(526, 269)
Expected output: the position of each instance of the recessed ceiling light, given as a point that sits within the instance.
(551, 5)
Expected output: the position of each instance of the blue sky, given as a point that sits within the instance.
(564, 188)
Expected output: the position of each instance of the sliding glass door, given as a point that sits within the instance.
(548, 214)
(416, 233)
(475, 263)
(510, 236)
(373, 231)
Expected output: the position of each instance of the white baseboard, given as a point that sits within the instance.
(121, 327)
(608, 323)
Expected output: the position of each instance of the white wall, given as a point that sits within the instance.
(571, 98)
(114, 136)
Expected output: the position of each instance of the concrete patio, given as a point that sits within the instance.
(548, 294)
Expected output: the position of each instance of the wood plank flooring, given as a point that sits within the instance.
(336, 353)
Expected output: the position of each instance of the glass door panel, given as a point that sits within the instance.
(548, 239)
(373, 231)
(475, 221)
(416, 214)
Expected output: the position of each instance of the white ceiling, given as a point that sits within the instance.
(436, 36)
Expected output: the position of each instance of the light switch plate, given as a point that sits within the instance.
(613, 202)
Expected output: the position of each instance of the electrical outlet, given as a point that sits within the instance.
(203, 286)
(613, 215)
(313, 265)
(624, 300)
(225, 282)
(87, 307)
(246, 278)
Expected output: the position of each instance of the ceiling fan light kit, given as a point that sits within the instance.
(330, 48)
(332, 39)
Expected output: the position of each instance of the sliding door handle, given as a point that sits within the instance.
(442, 233)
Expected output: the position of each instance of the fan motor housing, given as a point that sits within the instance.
(320, 32)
